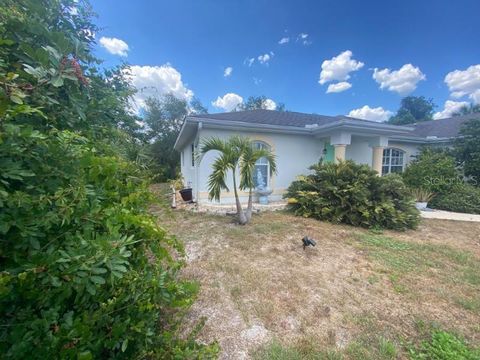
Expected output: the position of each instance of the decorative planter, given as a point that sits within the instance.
(263, 195)
(421, 205)
(186, 194)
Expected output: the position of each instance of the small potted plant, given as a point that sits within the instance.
(422, 197)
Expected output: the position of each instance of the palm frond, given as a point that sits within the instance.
(216, 180)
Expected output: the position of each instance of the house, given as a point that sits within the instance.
(299, 140)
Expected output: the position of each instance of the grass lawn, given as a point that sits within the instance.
(357, 295)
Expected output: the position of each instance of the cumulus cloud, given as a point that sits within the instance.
(475, 96)
(465, 82)
(114, 46)
(378, 114)
(228, 71)
(265, 58)
(284, 40)
(402, 81)
(269, 104)
(228, 102)
(450, 108)
(339, 68)
(157, 81)
(339, 87)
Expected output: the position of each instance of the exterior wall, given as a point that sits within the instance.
(188, 172)
(359, 151)
(294, 154)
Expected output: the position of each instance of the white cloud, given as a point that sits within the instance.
(464, 82)
(475, 96)
(303, 38)
(338, 87)
(228, 71)
(284, 40)
(249, 61)
(114, 46)
(402, 81)
(157, 81)
(265, 58)
(378, 114)
(449, 109)
(339, 68)
(228, 102)
(269, 104)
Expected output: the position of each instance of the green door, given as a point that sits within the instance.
(328, 153)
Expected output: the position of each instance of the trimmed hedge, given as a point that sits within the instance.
(353, 194)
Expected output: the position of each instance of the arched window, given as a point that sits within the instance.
(393, 161)
(262, 167)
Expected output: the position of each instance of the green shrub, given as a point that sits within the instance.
(353, 194)
(84, 269)
(444, 346)
(433, 170)
(462, 198)
(85, 272)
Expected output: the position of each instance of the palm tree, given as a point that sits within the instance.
(236, 154)
(247, 169)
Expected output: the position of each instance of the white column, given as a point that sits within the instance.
(340, 150)
(377, 157)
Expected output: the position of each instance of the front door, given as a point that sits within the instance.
(328, 153)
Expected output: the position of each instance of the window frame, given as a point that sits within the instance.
(259, 144)
(387, 160)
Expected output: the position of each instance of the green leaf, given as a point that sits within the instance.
(84, 355)
(124, 345)
(97, 280)
(57, 81)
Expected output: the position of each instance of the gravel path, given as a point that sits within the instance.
(448, 215)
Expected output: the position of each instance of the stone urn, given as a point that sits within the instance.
(263, 194)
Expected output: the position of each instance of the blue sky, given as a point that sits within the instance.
(418, 47)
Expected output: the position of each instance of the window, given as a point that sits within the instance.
(392, 161)
(261, 177)
(193, 155)
(182, 156)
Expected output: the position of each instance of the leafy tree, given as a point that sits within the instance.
(259, 102)
(467, 148)
(164, 117)
(85, 272)
(238, 156)
(413, 109)
(467, 110)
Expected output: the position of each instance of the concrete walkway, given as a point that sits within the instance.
(448, 215)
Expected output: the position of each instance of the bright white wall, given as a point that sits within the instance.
(295, 154)
(359, 151)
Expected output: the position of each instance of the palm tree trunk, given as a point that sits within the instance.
(248, 214)
(242, 219)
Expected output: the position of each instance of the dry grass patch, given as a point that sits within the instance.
(357, 294)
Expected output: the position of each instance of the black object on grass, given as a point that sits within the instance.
(308, 242)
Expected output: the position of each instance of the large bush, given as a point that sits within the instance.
(433, 170)
(464, 198)
(84, 271)
(467, 148)
(353, 194)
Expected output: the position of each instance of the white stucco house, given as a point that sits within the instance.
(299, 140)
